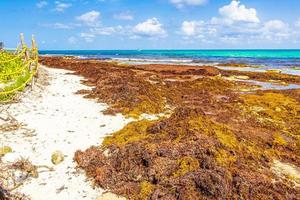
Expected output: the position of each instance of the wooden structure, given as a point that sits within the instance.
(19, 65)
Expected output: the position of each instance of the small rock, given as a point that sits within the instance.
(57, 157)
(106, 153)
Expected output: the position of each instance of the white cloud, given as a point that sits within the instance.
(93, 32)
(275, 25)
(230, 40)
(198, 30)
(88, 37)
(58, 26)
(238, 25)
(61, 7)
(90, 18)
(238, 12)
(150, 28)
(182, 3)
(221, 21)
(191, 28)
(123, 16)
(275, 30)
(297, 24)
(246, 33)
(41, 4)
(107, 30)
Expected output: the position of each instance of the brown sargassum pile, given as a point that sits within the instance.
(215, 142)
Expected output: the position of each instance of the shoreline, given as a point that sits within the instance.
(290, 70)
(214, 127)
(165, 125)
(250, 60)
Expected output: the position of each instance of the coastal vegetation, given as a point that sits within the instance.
(213, 138)
(17, 69)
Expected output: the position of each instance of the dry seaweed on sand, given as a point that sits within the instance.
(190, 161)
(218, 143)
(5, 195)
(134, 90)
(9, 124)
(14, 175)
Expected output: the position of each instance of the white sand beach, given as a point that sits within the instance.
(60, 121)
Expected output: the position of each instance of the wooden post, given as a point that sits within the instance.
(18, 50)
(33, 44)
(35, 54)
(34, 50)
(22, 40)
(23, 45)
(32, 56)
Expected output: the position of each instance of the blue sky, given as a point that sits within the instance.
(152, 24)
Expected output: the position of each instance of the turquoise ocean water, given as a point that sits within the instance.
(268, 59)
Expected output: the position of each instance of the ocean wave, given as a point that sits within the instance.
(265, 58)
(164, 61)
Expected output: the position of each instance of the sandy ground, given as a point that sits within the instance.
(60, 121)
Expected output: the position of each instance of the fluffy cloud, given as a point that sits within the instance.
(93, 32)
(197, 28)
(275, 25)
(238, 12)
(150, 28)
(41, 4)
(123, 16)
(189, 28)
(200, 30)
(61, 7)
(275, 30)
(297, 24)
(107, 30)
(181, 3)
(88, 37)
(90, 18)
(58, 26)
(236, 24)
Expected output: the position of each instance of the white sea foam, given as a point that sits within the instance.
(162, 61)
